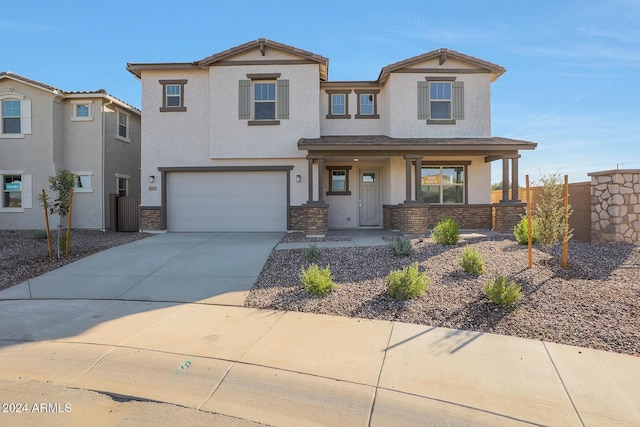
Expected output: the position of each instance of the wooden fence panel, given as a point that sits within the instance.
(579, 199)
(128, 213)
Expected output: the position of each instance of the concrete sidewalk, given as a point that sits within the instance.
(287, 368)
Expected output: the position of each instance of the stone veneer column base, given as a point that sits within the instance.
(311, 218)
(417, 218)
(149, 218)
(508, 215)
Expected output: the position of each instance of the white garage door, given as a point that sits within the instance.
(227, 201)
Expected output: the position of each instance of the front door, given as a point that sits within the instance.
(370, 214)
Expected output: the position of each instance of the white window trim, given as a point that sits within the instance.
(127, 177)
(12, 97)
(75, 104)
(26, 192)
(273, 101)
(84, 190)
(118, 136)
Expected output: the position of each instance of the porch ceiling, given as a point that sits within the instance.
(381, 145)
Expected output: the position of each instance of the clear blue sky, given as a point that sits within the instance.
(573, 67)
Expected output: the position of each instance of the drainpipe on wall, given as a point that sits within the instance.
(104, 181)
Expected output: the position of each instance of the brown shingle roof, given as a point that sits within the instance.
(23, 79)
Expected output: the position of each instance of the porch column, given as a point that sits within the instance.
(418, 180)
(408, 179)
(514, 178)
(505, 180)
(310, 179)
(320, 192)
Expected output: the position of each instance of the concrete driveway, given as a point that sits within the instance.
(215, 268)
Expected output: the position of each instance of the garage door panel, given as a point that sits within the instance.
(227, 201)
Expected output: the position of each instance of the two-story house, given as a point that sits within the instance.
(256, 138)
(44, 130)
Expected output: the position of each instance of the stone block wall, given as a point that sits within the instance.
(311, 218)
(615, 206)
(507, 215)
(469, 217)
(149, 218)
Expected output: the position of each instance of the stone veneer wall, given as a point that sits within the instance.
(615, 206)
(149, 218)
(507, 215)
(416, 219)
(313, 219)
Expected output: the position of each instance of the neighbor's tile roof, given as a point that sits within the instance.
(30, 81)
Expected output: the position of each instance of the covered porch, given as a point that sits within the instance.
(407, 184)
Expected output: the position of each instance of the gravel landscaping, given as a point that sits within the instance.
(594, 303)
(23, 255)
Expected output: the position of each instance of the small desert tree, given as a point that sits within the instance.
(61, 184)
(550, 213)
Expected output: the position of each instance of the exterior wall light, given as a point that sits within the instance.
(298, 178)
(152, 178)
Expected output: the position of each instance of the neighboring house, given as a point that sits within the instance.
(44, 130)
(257, 138)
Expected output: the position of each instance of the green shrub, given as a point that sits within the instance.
(313, 253)
(503, 291)
(401, 247)
(471, 261)
(316, 280)
(62, 243)
(521, 234)
(40, 234)
(407, 283)
(446, 232)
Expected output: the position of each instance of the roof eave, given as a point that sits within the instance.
(137, 68)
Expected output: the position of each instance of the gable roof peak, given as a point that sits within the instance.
(443, 54)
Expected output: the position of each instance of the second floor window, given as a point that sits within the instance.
(338, 104)
(366, 104)
(172, 95)
(440, 100)
(264, 101)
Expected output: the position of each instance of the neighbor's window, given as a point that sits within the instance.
(11, 116)
(173, 95)
(123, 185)
(123, 125)
(83, 182)
(440, 100)
(81, 111)
(443, 184)
(11, 191)
(338, 180)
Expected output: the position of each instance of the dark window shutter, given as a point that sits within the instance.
(423, 100)
(283, 99)
(244, 100)
(458, 100)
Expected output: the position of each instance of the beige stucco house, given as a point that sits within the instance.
(44, 130)
(257, 138)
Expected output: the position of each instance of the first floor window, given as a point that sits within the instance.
(11, 191)
(123, 125)
(338, 180)
(11, 116)
(443, 184)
